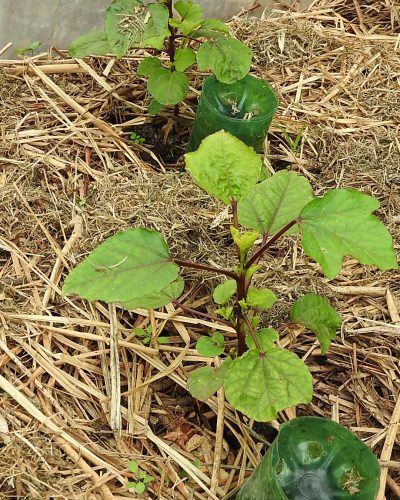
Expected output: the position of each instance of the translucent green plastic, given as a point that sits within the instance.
(245, 109)
(314, 458)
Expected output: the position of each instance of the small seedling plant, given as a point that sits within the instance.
(136, 269)
(185, 40)
(141, 478)
(136, 138)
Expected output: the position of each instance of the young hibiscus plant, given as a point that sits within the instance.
(185, 39)
(135, 268)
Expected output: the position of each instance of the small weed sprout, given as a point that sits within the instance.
(141, 478)
(136, 138)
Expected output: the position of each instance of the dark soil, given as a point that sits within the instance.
(166, 138)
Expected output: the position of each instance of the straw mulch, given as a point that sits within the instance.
(80, 394)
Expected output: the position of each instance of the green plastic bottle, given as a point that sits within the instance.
(245, 109)
(314, 459)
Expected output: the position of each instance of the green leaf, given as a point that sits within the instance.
(157, 299)
(141, 474)
(184, 58)
(261, 384)
(214, 25)
(156, 29)
(191, 13)
(315, 312)
(129, 265)
(339, 224)
(244, 241)
(243, 305)
(133, 466)
(228, 58)
(168, 87)
(266, 337)
(223, 292)
(260, 298)
(206, 381)
(93, 43)
(131, 485)
(224, 166)
(140, 487)
(211, 346)
(155, 107)
(148, 479)
(148, 65)
(162, 340)
(275, 202)
(140, 332)
(28, 48)
(121, 36)
(225, 312)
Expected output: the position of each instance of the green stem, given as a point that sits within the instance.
(204, 267)
(268, 243)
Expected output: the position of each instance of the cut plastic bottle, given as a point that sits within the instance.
(245, 109)
(314, 459)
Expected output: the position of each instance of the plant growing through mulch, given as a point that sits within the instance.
(135, 269)
(350, 140)
(130, 23)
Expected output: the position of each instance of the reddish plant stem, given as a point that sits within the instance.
(234, 204)
(201, 314)
(171, 43)
(171, 38)
(241, 294)
(252, 333)
(205, 267)
(188, 38)
(268, 243)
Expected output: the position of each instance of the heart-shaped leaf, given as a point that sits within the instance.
(94, 43)
(205, 381)
(168, 87)
(228, 58)
(224, 166)
(339, 224)
(223, 292)
(211, 346)
(275, 202)
(129, 265)
(261, 384)
(315, 312)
